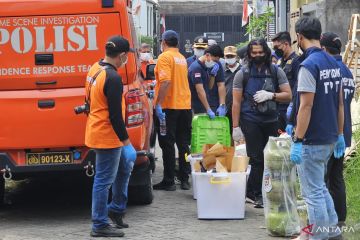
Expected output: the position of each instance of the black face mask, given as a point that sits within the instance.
(279, 52)
(258, 59)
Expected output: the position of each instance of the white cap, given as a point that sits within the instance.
(211, 42)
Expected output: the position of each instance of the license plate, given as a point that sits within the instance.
(49, 158)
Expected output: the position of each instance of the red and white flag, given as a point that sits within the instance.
(247, 10)
(162, 23)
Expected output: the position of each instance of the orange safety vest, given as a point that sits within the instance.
(99, 131)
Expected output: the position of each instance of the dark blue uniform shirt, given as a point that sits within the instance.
(200, 74)
(348, 85)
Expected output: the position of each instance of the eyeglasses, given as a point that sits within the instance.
(277, 46)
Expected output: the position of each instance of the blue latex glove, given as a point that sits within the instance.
(159, 112)
(210, 113)
(339, 150)
(296, 152)
(289, 110)
(129, 152)
(221, 110)
(289, 129)
(215, 70)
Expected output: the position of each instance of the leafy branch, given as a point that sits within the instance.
(258, 24)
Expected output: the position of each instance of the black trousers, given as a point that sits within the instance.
(256, 137)
(178, 130)
(282, 122)
(229, 115)
(155, 131)
(335, 182)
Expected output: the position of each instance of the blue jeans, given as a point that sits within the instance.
(111, 170)
(321, 210)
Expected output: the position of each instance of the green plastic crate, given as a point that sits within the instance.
(207, 131)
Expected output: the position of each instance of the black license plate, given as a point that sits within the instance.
(49, 158)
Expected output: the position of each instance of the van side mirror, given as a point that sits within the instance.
(150, 72)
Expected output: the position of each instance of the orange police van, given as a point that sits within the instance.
(46, 50)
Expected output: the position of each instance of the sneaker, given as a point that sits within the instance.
(185, 185)
(250, 198)
(258, 203)
(117, 219)
(177, 181)
(108, 231)
(164, 186)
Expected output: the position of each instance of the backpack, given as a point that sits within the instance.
(270, 106)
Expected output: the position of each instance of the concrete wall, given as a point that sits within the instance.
(334, 15)
(201, 7)
(338, 15)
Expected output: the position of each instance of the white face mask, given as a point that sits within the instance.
(230, 61)
(199, 52)
(125, 62)
(145, 57)
(209, 64)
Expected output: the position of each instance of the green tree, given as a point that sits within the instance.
(147, 39)
(258, 24)
(241, 44)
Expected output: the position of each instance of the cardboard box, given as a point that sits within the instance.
(217, 152)
(239, 164)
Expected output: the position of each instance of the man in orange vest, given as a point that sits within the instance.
(106, 134)
(173, 107)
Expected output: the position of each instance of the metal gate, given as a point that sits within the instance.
(191, 26)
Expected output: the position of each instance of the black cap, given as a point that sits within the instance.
(200, 42)
(215, 50)
(241, 52)
(118, 44)
(330, 40)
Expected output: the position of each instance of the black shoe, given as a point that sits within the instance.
(185, 185)
(164, 186)
(258, 203)
(117, 219)
(108, 231)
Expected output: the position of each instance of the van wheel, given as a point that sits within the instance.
(2, 190)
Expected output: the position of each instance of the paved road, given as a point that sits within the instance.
(59, 208)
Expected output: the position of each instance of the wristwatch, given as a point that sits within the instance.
(274, 97)
(296, 139)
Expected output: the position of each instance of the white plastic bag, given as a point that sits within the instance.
(279, 184)
(240, 150)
